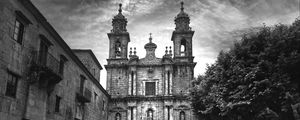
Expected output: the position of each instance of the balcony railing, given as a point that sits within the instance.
(46, 60)
(46, 67)
(84, 95)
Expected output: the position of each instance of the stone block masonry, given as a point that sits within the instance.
(40, 76)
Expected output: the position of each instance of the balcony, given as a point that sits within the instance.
(84, 95)
(45, 69)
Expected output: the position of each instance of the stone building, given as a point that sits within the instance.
(41, 78)
(150, 88)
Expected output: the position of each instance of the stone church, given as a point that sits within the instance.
(150, 88)
(42, 78)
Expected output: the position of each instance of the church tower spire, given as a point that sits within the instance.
(182, 36)
(116, 67)
(119, 22)
(182, 20)
(118, 37)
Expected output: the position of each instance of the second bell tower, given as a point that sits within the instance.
(182, 37)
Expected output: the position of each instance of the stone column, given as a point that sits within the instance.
(166, 113)
(129, 113)
(171, 114)
(134, 82)
(156, 88)
(134, 113)
(143, 88)
(166, 83)
(171, 83)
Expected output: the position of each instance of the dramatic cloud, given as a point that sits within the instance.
(84, 24)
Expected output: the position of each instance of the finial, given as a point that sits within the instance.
(150, 39)
(120, 8)
(181, 5)
(130, 52)
(134, 52)
(166, 50)
(170, 51)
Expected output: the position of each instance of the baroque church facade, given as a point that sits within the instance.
(42, 78)
(150, 88)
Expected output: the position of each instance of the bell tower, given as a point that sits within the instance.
(116, 63)
(118, 37)
(184, 64)
(182, 37)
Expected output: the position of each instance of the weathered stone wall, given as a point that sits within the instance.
(182, 79)
(139, 103)
(117, 81)
(143, 75)
(32, 101)
(13, 57)
(87, 60)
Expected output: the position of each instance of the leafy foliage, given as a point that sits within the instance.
(258, 79)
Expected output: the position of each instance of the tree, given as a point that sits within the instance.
(258, 79)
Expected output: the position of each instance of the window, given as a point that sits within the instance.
(62, 61)
(82, 80)
(79, 111)
(11, 85)
(150, 114)
(168, 82)
(94, 71)
(103, 105)
(183, 47)
(43, 53)
(18, 31)
(182, 115)
(57, 103)
(44, 47)
(95, 97)
(20, 23)
(150, 88)
(118, 116)
(61, 66)
(118, 49)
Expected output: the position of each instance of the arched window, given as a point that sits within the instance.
(183, 47)
(150, 114)
(182, 115)
(118, 48)
(118, 116)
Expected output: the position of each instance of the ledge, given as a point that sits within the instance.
(149, 98)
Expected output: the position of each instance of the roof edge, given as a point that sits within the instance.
(92, 54)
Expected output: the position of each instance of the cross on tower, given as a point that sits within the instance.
(150, 39)
(120, 8)
(182, 5)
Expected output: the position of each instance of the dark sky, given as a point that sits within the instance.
(84, 24)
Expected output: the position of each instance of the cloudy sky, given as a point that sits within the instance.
(84, 24)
